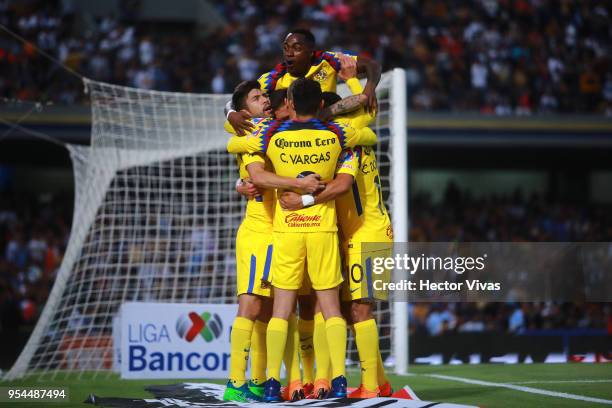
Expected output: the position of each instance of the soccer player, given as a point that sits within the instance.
(253, 258)
(362, 217)
(302, 60)
(306, 324)
(305, 238)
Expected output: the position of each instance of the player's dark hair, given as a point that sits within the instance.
(277, 98)
(307, 34)
(306, 95)
(329, 98)
(240, 93)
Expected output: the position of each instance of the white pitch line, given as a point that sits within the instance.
(522, 388)
(560, 382)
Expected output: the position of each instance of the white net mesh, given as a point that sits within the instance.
(155, 220)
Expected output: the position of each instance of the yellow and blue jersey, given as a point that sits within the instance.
(347, 163)
(258, 140)
(362, 214)
(259, 212)
(360, 117)
(297, 149)
(324, 69)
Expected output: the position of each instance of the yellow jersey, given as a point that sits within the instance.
(362, 214)
(297, 149)
(324, 69)
(360, 117)
(259, 212)
(259, 137)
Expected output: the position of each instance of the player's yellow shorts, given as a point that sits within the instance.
(361, 277)
(316, 252)
(254, 252)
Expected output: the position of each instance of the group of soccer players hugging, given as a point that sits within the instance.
(308, 170)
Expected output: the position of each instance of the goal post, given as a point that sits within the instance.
(155, 220)
(399, 193)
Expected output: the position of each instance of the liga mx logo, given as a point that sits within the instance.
(208, 325)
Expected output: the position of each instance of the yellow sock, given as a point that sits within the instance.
(306, 328)
(276, 339)
(321, 349)
(380, 370)
(366, 338)
(335, 328)
(258, 352)
(291, 357)
(240, 339)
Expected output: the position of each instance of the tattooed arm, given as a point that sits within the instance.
(348, 104)
(348, 73)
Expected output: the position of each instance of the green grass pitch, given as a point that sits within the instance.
(585, 380)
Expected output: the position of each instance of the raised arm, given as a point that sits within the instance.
(373, 71)
(346, 105)
(353, 104)
(238, 120)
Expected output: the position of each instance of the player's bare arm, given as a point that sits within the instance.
(346, 105)
(339, 185)
(240, 122)
(265, 179)
(350, 103)
(372, 70)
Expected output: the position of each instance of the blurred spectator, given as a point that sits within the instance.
(218, 82)
(33, 234)
(440, 320)
(512, 218)
(516, 322)
(495, 57)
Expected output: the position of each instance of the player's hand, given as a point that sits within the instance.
(311, 183)
(348, 66)
(240, 122)
(249, 190)
(290, 201)
(372, 103)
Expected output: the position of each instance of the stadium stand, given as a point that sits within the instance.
(34, 231)
(497, 57)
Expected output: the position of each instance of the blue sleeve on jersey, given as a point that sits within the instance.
(266, 133)
(338, 130)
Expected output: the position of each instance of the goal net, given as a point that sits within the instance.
(155, 220)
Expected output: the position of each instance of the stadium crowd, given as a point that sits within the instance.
(515, 218)
(34, 231)
(498, 57)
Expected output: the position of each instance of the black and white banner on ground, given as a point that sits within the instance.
(203, 395)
